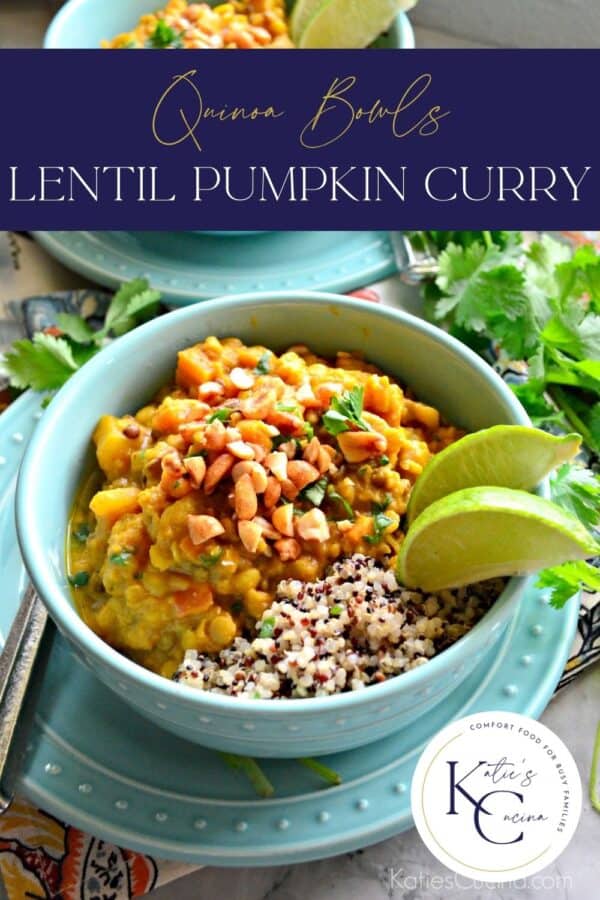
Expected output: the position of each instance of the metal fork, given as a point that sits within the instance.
(413, 266)
(26, 649)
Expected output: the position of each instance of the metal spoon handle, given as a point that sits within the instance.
(17, 662)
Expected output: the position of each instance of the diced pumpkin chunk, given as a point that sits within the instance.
(113, 447)
(193, 367)
(115, 502)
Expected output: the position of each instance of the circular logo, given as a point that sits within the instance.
(496, 796)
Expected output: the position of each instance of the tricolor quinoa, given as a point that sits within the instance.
(353, 628)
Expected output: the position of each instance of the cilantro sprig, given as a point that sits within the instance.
(47, 361)
(564, 581)
(164, 37)
(345, 412)
(577, 490)
(380, 520)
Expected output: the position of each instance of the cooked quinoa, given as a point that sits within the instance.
(353, 628)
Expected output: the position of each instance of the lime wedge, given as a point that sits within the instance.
(302, 13)
(511, 456)
(347, 24)
(484, 532)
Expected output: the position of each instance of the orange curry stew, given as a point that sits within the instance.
(251, 468)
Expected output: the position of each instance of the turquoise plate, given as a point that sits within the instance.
(94, 763)
(188, 266)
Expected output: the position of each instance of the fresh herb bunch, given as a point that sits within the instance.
(577, 489)
(48, 361)
(539, 304)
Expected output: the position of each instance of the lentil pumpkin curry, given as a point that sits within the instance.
(250, 469)
(241, 24)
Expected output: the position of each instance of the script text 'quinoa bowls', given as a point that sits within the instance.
(127, 374)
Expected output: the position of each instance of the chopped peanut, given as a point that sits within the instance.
(211, 391)
(358, 446)
(242, 379)
(203, 528)
(217, 470)
(277, 463)
(215, 437)
(196, 467)
(241, 450)
(301, 473)
(259, 404)
(246, 501)
(266, 528)
(313, 526)
(283, 519)
(288, 549)
(272, 492)
(256, 472)
(312, 450)
(250, 534)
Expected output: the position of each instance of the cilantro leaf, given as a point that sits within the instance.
(346, 410)
(539, 304)
(122, 558)
(380, 523)
(263, 366)
(132, 302)
(577, 490)
(381, 506)
(222, 415)
(208, 560)
(539, 408)
(47, 361)
(380, 520)
(337, 498)
(44, 363)
(315, 492)
(163, 37)
(75, 328)
(564, 581)
(81, 532)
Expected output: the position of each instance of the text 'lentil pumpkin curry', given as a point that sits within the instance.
(250, 469)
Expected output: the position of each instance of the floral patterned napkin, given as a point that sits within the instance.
(40, 856)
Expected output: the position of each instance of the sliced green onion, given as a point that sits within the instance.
(266, 629)
(81, 532)
(329, 775)
(251, 770)
(80, 579)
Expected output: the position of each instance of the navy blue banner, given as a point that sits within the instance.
(299, 140)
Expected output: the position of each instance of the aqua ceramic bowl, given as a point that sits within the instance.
(82, 24)
(123, 377)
